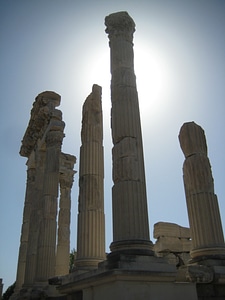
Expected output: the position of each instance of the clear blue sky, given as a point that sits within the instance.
(61, 45)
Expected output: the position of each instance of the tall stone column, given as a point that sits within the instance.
(47, 238)
(63, 244)
(202, 203)
(130, 212)
(26, 223)
(91, 219)
(35, 219)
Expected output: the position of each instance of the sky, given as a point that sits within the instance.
(61, 46)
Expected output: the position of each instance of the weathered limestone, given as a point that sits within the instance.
(42, 146)
(131, 271)
(35, 216)
(130, 213)
(162, 229)
(47, 235)
(173, 242)
(202, 204)
(34, 144)
(63, 245)
(26, 224)
(91, 219)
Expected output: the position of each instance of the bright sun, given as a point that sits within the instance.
(153, 75)
(153, 78)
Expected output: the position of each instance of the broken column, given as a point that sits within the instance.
(41, 144)
(91, 220)
(63, 242)
(47, 236)
(202, 203)
(130, 212)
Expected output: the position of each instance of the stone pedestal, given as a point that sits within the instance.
(128, 277)
(130, 213)
(91, 219)
(202, 204)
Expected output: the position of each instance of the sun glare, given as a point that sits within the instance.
(153, 78)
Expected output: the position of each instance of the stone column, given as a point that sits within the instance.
(47, 237)
(35, 219)
(91, 219)
(202, 204)
(26, 223)
(63, 245)
(130, 212)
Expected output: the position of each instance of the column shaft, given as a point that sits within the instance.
(91, 219)
(47, 236)
(35, 219)
(26, 224)
(63, 241)
(202, 203)
(130, 212)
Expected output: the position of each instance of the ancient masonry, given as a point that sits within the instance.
(130, 213)
(91, 218)
(202, 203)
(183, 264)
(48, 169)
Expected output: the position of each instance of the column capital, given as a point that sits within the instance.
(120, 24)
(66, 179)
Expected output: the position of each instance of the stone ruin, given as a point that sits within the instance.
(172, 242)
(44, 248)
(184, 263)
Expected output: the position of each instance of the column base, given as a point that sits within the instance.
(87, 264)
(133, 247)
(207, 253)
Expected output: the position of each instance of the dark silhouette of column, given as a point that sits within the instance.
(63, 242)
(35, 219)
(31, 172)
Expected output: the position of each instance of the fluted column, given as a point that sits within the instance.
(47, 237)
(35, 219)
(202, 203)
(63, 238)
(91, 219)
(26, 223)
(130, 212)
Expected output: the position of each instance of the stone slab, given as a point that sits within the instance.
(172, 244)
(170, 230)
